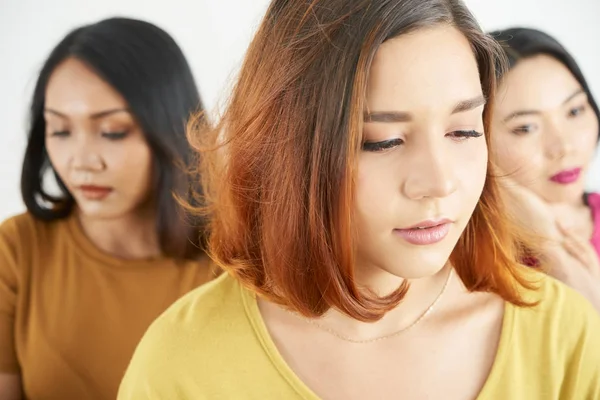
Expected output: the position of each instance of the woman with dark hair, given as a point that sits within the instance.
(91, 263)
(546, 127)
(366, 250)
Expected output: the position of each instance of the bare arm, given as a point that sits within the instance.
(10, 387)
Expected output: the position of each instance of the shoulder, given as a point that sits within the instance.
(194, 334)
(561, 317)
(200, 307)
(552, 295)
(593, 202)
(593, 199)
(26, 226)
(20, 231)
(554, 300)
(20, 223)
(24, 232)
(558, 337)
(197, 315)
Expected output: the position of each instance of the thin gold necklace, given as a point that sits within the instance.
(390, 335)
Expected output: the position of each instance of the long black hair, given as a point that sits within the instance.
(145, 65)
(519, 43)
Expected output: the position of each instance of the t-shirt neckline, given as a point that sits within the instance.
(85, 245)
(253, 314)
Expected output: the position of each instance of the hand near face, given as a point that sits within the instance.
(531, 211)
(576, 264)
(581, 251)
(569, 257)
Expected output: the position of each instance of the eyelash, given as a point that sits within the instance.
(523, 130)
(381, 146)
(527, 129)
(108, 135)
(114, 135)
(579, 110)
(390, 144)
(60, 134)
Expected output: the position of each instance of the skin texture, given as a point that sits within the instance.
(543, 124)
(432, 172)
(558, 133)
(93, 139)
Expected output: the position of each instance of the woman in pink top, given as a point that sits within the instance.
(546, 131)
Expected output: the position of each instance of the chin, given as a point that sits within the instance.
(423, 272)
(100, 211)
(417, 262)
(569, 194)
(419, 268)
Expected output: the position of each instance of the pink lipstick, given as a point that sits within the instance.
(567, 176)
(426, 232)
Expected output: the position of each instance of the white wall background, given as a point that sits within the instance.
(214, 35)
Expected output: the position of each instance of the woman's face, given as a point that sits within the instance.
(95, 144)
(545, 130)
(423, 164)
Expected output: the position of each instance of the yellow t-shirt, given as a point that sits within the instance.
(213, 344)
(72, 315)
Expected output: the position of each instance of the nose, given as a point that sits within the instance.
(432, 174)
(557, 141)
(85, 156)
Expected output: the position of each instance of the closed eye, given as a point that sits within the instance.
(464, 135)
(60, 133)
(381, 146)
(524, 129)
(114, 135)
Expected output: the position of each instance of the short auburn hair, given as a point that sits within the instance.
(279, 165)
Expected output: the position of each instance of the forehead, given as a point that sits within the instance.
(74, 89)
(538, 83)
(427, 68)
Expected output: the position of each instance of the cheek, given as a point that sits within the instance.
(133, 166)
(517, 155)
(587, 139)
(376, 187)
(58, 154)
(471, 170)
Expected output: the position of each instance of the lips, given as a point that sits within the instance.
(567, 176)
(92, 192)
(426, 232)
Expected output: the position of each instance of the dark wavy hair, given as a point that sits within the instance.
(145, 65)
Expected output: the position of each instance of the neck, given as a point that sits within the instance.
(422, 294)
(574, 200)
(132, 236)
(579, 202)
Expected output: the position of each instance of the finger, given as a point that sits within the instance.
(565, 228)
(576, 250)
(581, 247)
(582, 251)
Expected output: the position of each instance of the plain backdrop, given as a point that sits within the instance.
(214, 35)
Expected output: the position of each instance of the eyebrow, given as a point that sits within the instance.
(97, 115)
(571, 97)
(401, 116)
(522, 113)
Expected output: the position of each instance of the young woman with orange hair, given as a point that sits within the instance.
(354, 210)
